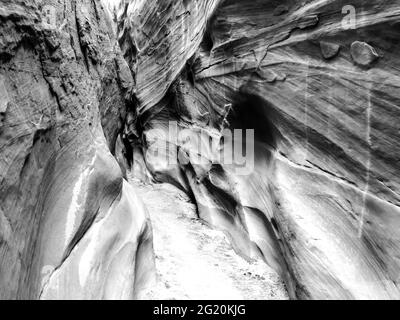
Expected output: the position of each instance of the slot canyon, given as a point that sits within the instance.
(199, 149)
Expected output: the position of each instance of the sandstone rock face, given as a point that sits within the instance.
(70, 226)
(321, 203)
(277, 118)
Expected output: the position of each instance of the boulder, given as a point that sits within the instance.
(363, 54)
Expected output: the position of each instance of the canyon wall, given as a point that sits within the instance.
(318, 81)
(313, 190)
(70, 226)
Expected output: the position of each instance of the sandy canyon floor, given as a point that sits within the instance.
(194, 261)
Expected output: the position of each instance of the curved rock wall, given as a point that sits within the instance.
(318, 81)
(317, 195)
(70, 226)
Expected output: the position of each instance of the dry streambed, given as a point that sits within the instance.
(194, 261)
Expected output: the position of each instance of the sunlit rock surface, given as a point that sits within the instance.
(70, 226)
(320, 86)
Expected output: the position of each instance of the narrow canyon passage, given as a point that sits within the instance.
(279, 119)
(194, 261)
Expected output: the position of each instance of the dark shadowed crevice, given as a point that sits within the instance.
(252, 112)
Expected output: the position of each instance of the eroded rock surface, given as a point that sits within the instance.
(70, 226)
(321, 204)
(317, 199)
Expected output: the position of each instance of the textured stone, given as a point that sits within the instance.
(329, 50)
(70, 226)
(363, 54)
(322, 203)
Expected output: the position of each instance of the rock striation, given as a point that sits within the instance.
(92, 92)
(318, 81)
(70, 226)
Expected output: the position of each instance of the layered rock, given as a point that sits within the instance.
(70, 225)
(317, 195)
(318, 81)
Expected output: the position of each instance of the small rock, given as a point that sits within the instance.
(281, 77)
(329, 50)
(363, 54)
(280, 10)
